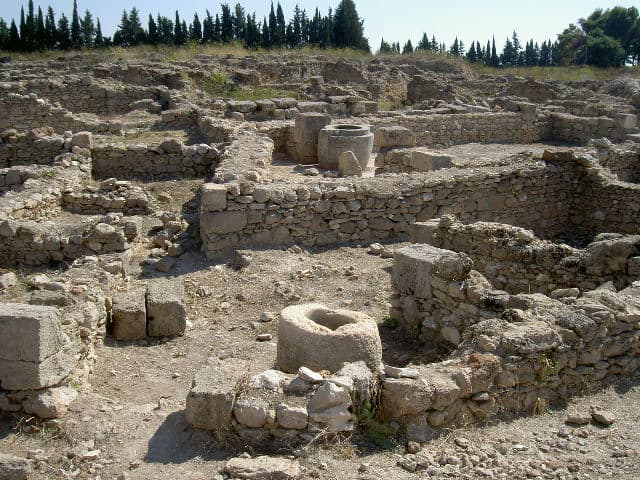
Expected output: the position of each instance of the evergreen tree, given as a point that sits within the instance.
(29, 40)
(408, 48)
(165, 30)
(265, 35)
(517, 59)
(227, 24)
(495, 60)
(472, 56)
(137, 35)
(239, 23)
(76, 34)
(87, 29)
(508, 57)
(273, 27)
(14, 43)
(99, 40)
(64, 33)
(385, 48)
(24, 34)
(179, 31)
(207, 28)
(487, 54)
(196, 29)
(424, 43)
(121, 36)
(314, 28)
(40, 32)
(348, 27)
(51, 32)
(152, 31)
(455, 48)
(217, 29)
(281, 27)
(4, 35)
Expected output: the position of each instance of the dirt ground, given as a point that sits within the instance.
(132, 421)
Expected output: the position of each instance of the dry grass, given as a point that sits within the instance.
(188, 52)
(567, 74)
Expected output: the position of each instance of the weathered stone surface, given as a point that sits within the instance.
(14, 468)
(51, 403)
(129, 315)
(213, 197)
(34, 352)
(166, 313)
(320, 338)
(262, 468)
(292, 417)
(218, 223)
(211, 398)
(348, 165)
(251, 412)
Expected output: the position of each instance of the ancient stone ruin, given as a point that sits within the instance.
(510, 209)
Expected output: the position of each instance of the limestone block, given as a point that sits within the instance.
(82, 140)
(320, 338)
(292, 417)
(391, 137)
(129, 314)
(426, 161)
(34, 352)
(626, 121)
(306, 131)
(348, 165)
(166, 314)
(213, 197)
(415, 265)
(263, 468)
(210, 401)
(220, 223)
(14, 468)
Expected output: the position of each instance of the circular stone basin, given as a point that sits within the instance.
(334, 140)
(322, 338)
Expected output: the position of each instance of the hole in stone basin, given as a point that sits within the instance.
(347, 127)
(329, 319)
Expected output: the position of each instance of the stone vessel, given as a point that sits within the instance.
(334, 140)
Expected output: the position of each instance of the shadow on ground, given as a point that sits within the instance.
(176, 441)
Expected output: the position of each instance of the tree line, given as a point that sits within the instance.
(606, 38)
(37, 32)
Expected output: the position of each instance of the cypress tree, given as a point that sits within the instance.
(239, 23)
(99, 40)
(408, 48)
(207, 28)
(424, 43)
(348, 27)
(152, 31)
(87, 29)
(177, 27)
(217, 29)
(76, 36)
(196, 29)
(14, 37)
(487, 54)
(265, 40)
(24, 34)
(40, 34)
(51, 33)
(281, 26)
(4, 35)
(495, 61)
(273, 27)
(472, 56)
(226, 32)
(64, 34)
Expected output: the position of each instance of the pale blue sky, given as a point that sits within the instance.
(395, 20)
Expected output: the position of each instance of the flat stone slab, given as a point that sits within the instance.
(34, 352)
(129, 314)
(166, 313)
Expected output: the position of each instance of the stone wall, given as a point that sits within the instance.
(515, 353)
(342, 210)
(513, 259)
(579, 130)
(622, 160)
(83, 94)
(29, 149)
(169, 158)
(456, 129)
(111, 196)
(287, 108)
